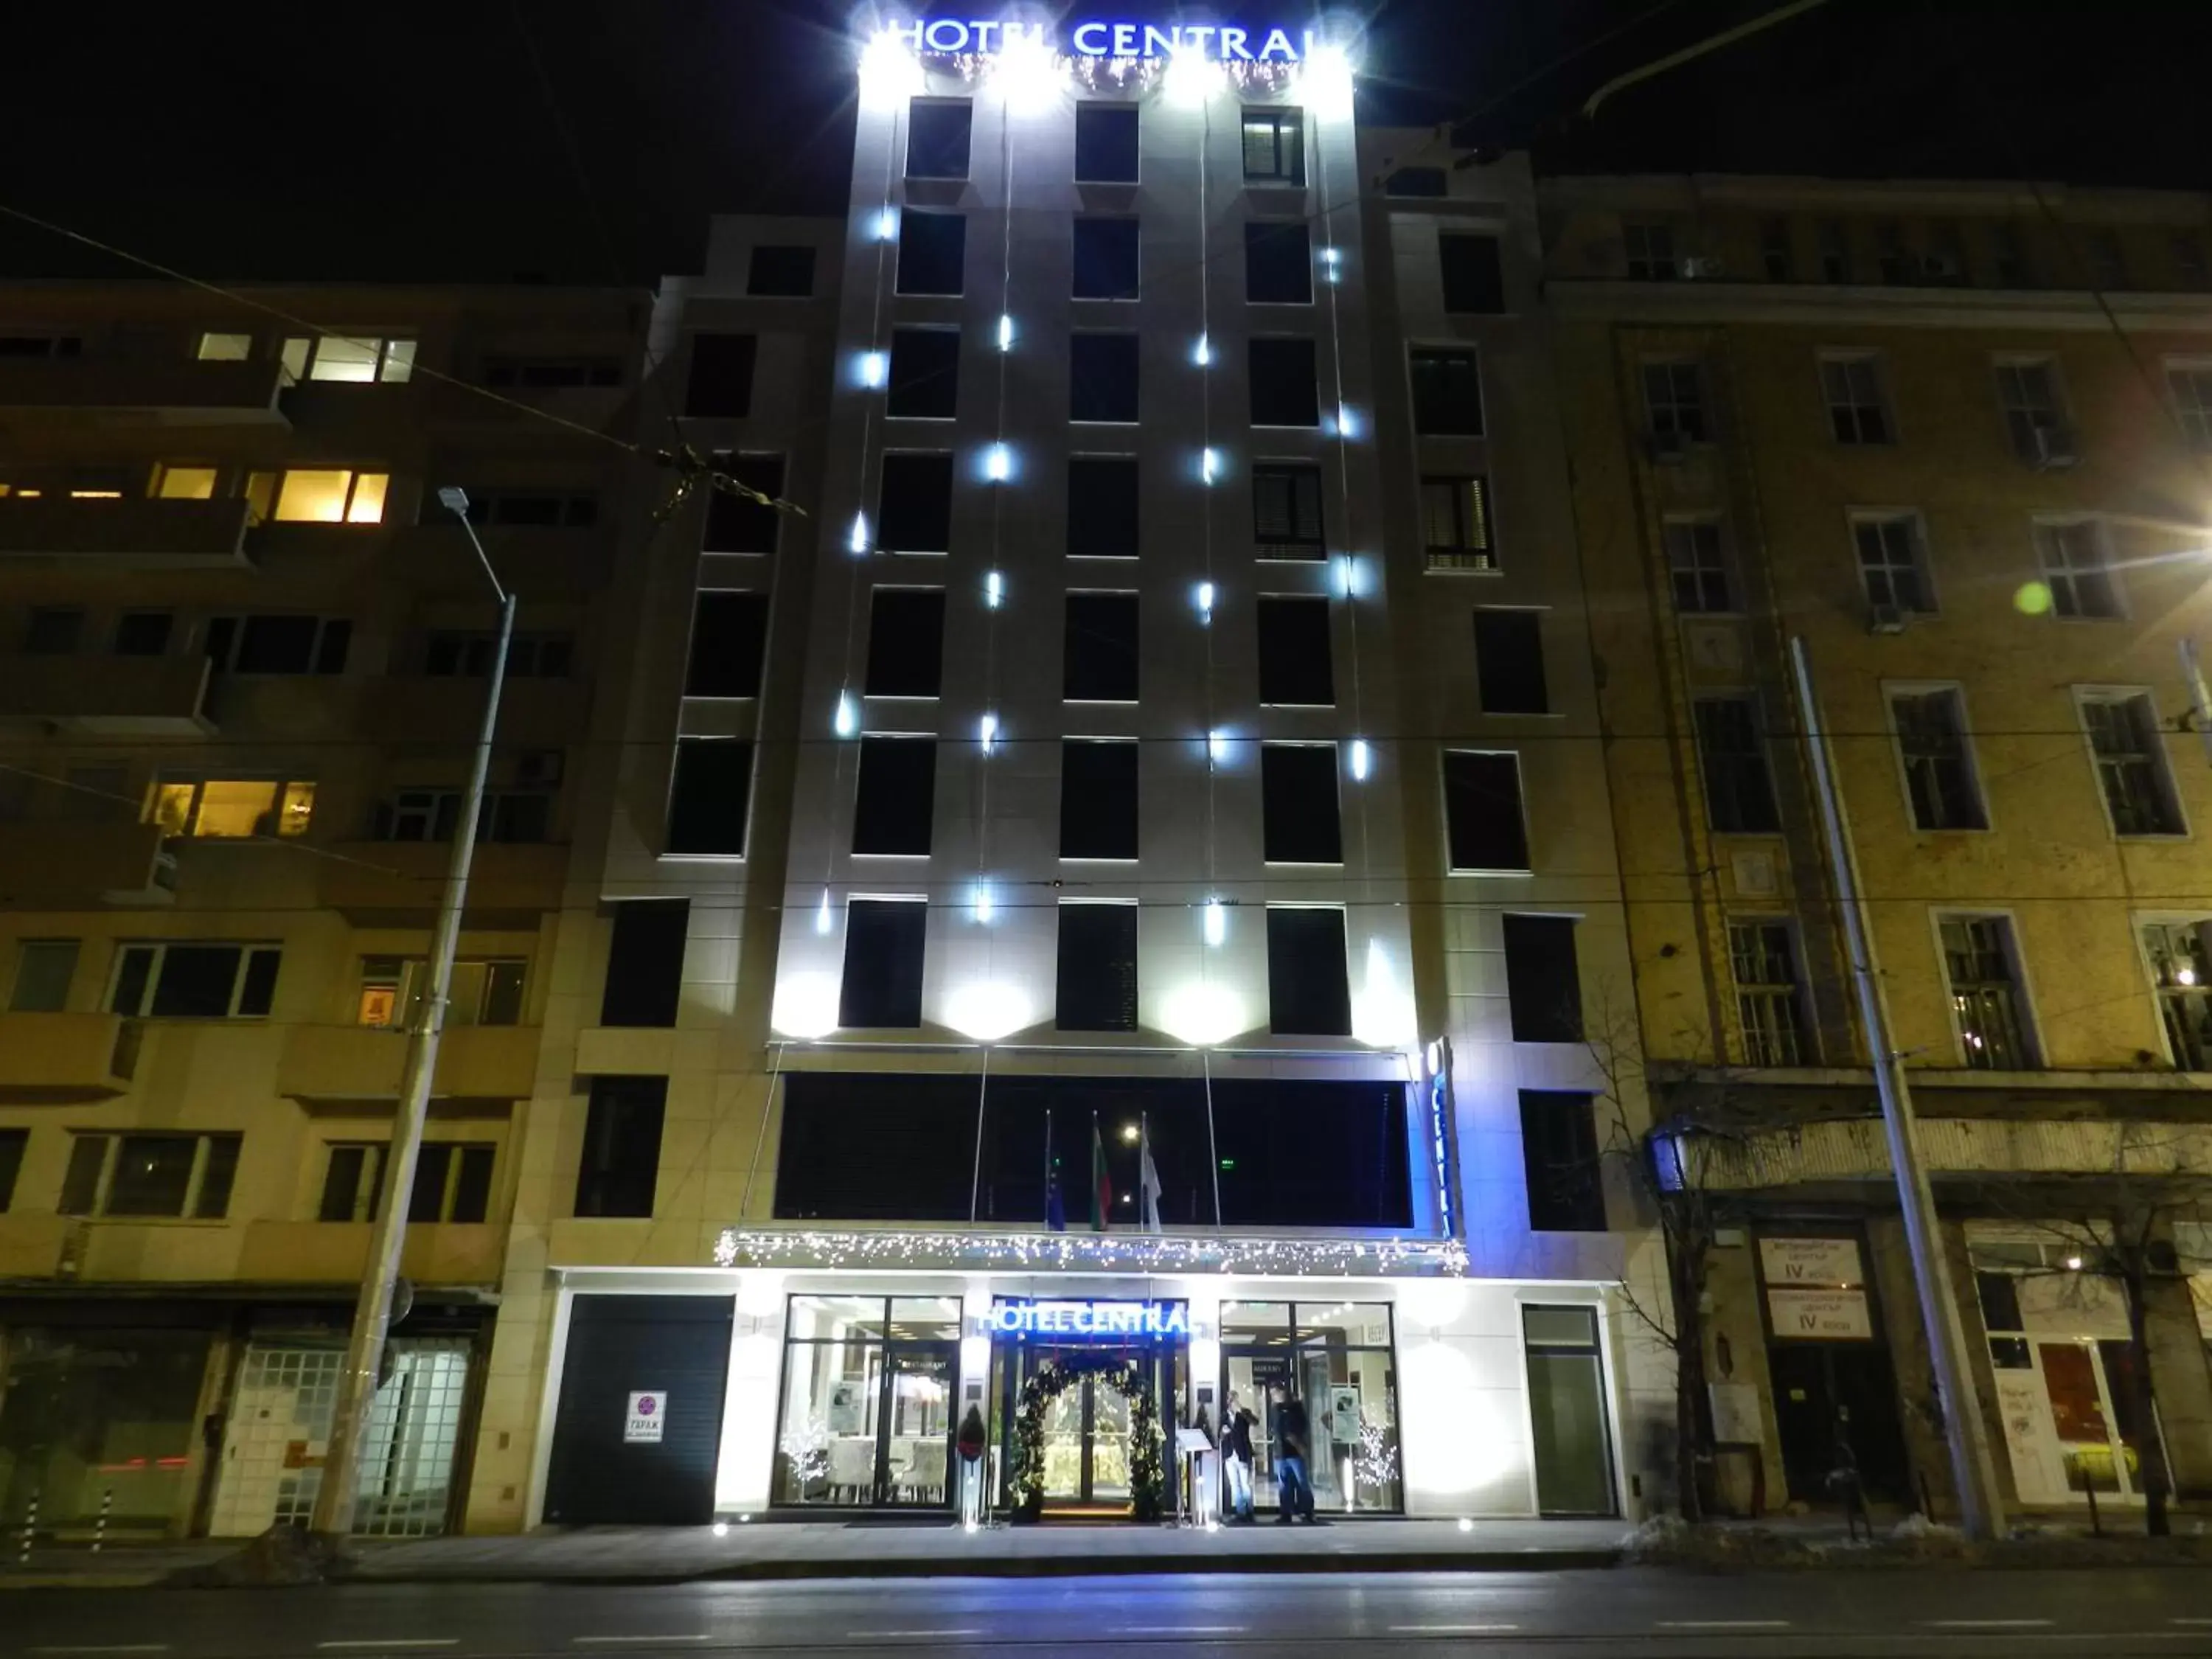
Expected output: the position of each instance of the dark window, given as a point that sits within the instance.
(1939, 767)
(1474, 280)
(1311, 1154)
(144, 633)
(1508, 662)
(721, 383)
(895, 801)
(1278, 262)
(1286, 515)
(12, 1142)
(1284, 389)
(1999, 1294)
(1298, 804)
(1102, 507)
(1447, 393)
(1482, 811)
(452, 1182)
(780, 273)
(1097, 979)
(1308, 993)
(53, 631)
(551, 374)
(882, 988)
(1105, 143)
(1650, 252)
(1097, 800)
(1543, 987)
(1274, 146)
(1456, 524)
(708, 797)
(729, 635)
(1100, 665)
(621, 1164)
(906, 642)
(920, 1136)
(1559, 1148)
(2128, 742)
(925, 381)
(524, 509)
(351, 1181)
(279, 644)
(937, 138)
(1417, 182)
(195, 982)
(1294, 653)
(737, 524)
(1732, 754)
(1102, 382)
(932, 249)
(1106, 258)
(645, 961)
(1775, 254)
(915, 511)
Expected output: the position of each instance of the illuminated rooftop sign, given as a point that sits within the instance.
(1096, 1320)
(952, 37)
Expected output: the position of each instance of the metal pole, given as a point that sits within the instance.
(100, 1528)
(30, 1531)
(2200, 699)
(1980, 1509)
(372, 1314)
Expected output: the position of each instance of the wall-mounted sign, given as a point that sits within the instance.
(1088, 1321)
(648, 1409)
(1819, 1315)
(953, 37)
(1832, 1263)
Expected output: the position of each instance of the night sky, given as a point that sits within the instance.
(588, 140)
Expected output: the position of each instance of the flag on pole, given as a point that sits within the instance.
(1055, 1207)
(1148, 1175)
(1102, 1184)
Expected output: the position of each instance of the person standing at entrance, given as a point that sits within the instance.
(1237, 1455)
(1293, 1439)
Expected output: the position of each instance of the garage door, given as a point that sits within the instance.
(640, 1423)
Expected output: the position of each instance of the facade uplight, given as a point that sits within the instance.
(1216, 745)
(987, 733)
(1205, 598)
(1026, 69)
(1006, 332)
(875, 369)
(1202, 353)
(997, 463)
(1347, 421)
(859, 540)
(1216, 921)
(1325, 82)
(887, 225)
(1192, 77)
(1348, 576)
(1332, 264)
(1359, 760)
(821, 913)
(849, 714)
(984, 909)
(994, 589)
(890, 72)
(1209, 465)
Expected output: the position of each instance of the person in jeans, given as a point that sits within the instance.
(1236, 1457)
(1293, 1437)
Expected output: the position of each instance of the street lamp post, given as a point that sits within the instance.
(372, 1315)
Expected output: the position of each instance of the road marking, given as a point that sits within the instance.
(1452, 1630)
(2189, 1621)
(1990, 1624)
(911, 1635)
(617, 1641)
(1723, 1623)
(118, 1647)
(379, 1644)
(1184, 1630)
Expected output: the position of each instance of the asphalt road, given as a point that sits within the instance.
(1882, 1615)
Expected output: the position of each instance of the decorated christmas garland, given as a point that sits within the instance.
(1127, 1378)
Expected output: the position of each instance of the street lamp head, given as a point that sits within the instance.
(454, 500)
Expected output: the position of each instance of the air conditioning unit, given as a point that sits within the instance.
(1667, 448)
(1887, 618)
(1701, 268)
(537, 767)
(2052, 448)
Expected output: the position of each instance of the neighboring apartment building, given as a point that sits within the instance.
(1953, 436)
(242, 660)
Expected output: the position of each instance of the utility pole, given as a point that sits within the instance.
(1980, 1507)
(372, 1315)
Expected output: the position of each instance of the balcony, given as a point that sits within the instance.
(364, 1062)
(107, 696)
(63, 864)
(66, 1059)
(158, 391)
(385, 883)
(142, 534)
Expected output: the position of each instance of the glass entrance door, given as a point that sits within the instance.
(1086, 1426)
(918, 1394)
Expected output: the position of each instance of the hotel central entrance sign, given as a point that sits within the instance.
(953, 37)
(1088, 1321)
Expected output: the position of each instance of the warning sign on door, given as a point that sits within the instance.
(642, 1426)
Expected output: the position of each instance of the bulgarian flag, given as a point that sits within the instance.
(1102, 1184)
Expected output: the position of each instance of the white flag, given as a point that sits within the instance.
(1148, 1179)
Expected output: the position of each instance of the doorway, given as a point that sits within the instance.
(1086, 1425)
(1834, 1397)
(1571, 1435)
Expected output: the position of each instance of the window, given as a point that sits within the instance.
(150, 1177)
(215, 348)
(1295, 653)
(2180, 967)
(1858, 413)
(1101, 383)
(621, 1163)
(1732, 755)
(551, 373)
(729, 641)
(483, 991)
(1308, 989)
(1508, 662)
(2074, 566)
(348, 357)
(709, 793)
(1768, 1006)
(1473, 276)
(1106, 258)
(721, 383)
(890, 1405)
(1102, 507)
(884, 944)
(937, 138)
(453, 653)
(1979, 962)
(1456, 524)
(1559, 1156)
(1483, 823)
(1286, 512)
(1105, 144)
(1697, 569)
(524, 509)
(645, 963)
(53, 631)
(1892, 562)
(1097, 976)
(1896, 265)
(924, 373)
(317, 496)
(1835, 252)
(1278, 262)
(2187, 251)
(914, 511)
(41, 345)
(1543, 984)
(182, 482)
(2008, 255)
(509, 816)
(231, 809)
(1447, 393)
(44, 969)
(1098, 798)
(195, 980)
(12, 1142)
(780, 272)
(933, 251)
(2192, 384)
(896, 800)
(1304, 1154)
(1274, 147)
(1940, 786)
(1099, 661)
(1675, 401)
(1284, 389)
(737, 524)
(1650, 252)
(1417, 182)
(1776, 257)
(279, 644)
(2028, 392)
(1299, 821)
(2131, 755)
(453, 1182)
(2108, 268)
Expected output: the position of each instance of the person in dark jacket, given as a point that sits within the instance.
(1236, 1457)
(1293, 1444)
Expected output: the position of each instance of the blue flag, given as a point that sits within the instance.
(1055, 1209)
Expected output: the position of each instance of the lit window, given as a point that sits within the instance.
(320, 496)
(234, 809)
(349, 357)
(184, 483)
(225, 348)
